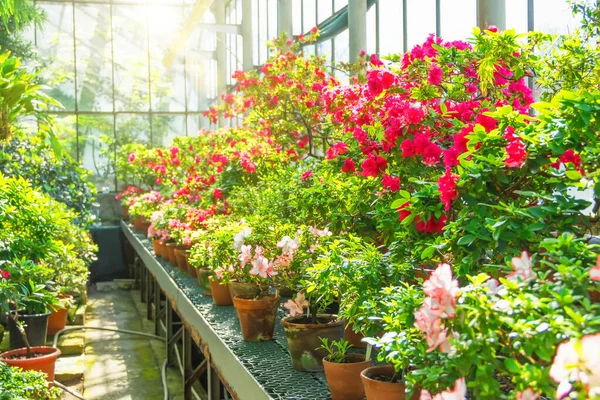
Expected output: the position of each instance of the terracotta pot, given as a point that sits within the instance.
(381, 390)
(44, 363)
(36, 328)
(162, 249)
(58, 317)
(137, 224)
(171, 253)
(344, 378)
(125, 212)
(157, 247)
(354, 338)
(257, 317)
(180, 259)
(243, 289)
(304, 339)
(203, 274)
(144, 225)
(220, 293)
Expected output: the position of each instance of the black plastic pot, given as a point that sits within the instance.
(36, 328)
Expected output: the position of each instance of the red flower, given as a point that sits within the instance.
(373, 165)
(390, 182)
(488, 123)
(403, 212)
(131, 157)
(375, 62)
(431, 226)
(492, 28)
(408, 148)
(572, 157)
(336, 150)
(302, 142)
(4, 274)
(435, 75)
(349, 165)
(447, 188)
(306, 175)
(515, 149)
(217, 193)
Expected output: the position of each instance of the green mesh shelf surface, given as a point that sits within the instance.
(269, 362)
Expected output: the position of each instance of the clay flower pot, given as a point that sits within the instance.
(243, 289)
(44, 359)
(58, 317)
(125, 212)
(304, 339)
(144, 226)
(137, 224)
(343, 379)
(354, 338)
(257, 317)
(376, 381)
(157, 247)
(181, 259)
(162, 250)
(171, 253)
(203, 274)
(220, 293)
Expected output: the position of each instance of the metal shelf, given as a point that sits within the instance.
(247, 370)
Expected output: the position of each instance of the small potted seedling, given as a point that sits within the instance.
(342, 370)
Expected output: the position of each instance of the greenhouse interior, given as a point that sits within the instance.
(300, 199)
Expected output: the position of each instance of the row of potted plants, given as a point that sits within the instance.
(439, 216)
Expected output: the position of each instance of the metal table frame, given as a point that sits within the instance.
(166, 303)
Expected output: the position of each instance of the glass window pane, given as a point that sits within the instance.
(421, 21)
(458, 19)
(166, 127)
(272, 19)
(261, 32)
(97, 139)
(94, 70)
(309, 10)
(131, 58)
(168, 83)
(133, 128)
(371, 30)
(55, 47)
(390, 27)
(516, 15)
(554, 16)
(297, 17)
(67, 134)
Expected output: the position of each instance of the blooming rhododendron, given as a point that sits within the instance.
(296, 306)
(306, 175)
(522, 267)
(390, 182)
(349, 166)
(262, 268)
(245, 254)
(459, 392)
(577, 361)
(336, 150)
(435, 75)
(373, 165)
(528, 394)
(4, 274)
(447, 188)
(442, 289)
(131, 157)
(217, 193)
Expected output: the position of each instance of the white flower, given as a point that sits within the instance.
(238, 238)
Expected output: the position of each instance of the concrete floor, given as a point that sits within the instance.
(120, 366)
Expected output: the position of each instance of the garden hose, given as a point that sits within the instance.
(163, 372)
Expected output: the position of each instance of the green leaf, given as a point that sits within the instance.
(512, 365)
(466, 240)
(573, 175)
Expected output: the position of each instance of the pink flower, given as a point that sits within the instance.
(131, 157)
(522, 267)
(403, 213)
(319, 232)
(447, 188)
(296, 306)
(288, 245)
(219, 273)
(492, 28)
(577, 362)
(528, 394)
(435, 75)
(246, 254)
(306, 175)
(336, 150)
(349, 166)
(595, 271)
(217, 193)
(459, 392)
(4, 274)
(262, 267)
(442, 290)
(390, 182)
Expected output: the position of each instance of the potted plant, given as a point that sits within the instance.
(343, 369)
(26, 296)
(305, 331)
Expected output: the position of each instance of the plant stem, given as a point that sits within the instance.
(368, 355)
(395, 377)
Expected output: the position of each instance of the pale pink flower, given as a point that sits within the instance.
(260, 267)
(522, 267)
(246, 254)
(577, 362)
(493, 286)
(187, 240)
(319, 232)
(296, 306)
(428, 321)
(528, 394)
(219, 273)
(442, 289)
(459, 392)
(288, 245)
(595, 271)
